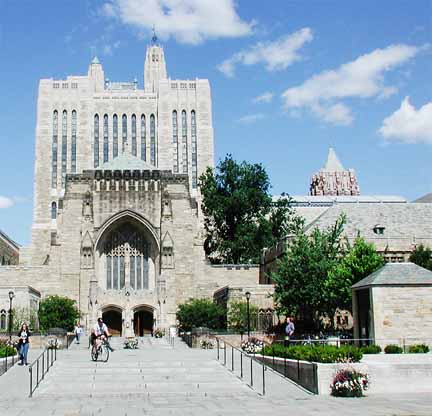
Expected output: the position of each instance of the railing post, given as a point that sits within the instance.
(31, 381)
(251, 371)
(217, 342)
(224, 353)
(241, 364)
(37, 372)
(263, 383)
(232, 358)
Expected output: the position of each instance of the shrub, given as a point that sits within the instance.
(206, 344)
(58, 311)
(237, 316)
(393, 349)
(252, 346)
(131, 344)
(418, 349)
(371, 349)
(316, 353)
(7, 351)
(197, 313)
(349, 383)
(158, 333)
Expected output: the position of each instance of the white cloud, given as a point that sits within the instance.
(251, 118)
(108, 49)
(409, 125)
(361, 78)
(6, 202)
(276, 55)
(188, 21)
(267, 97)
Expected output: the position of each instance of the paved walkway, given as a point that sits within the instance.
(159, 380)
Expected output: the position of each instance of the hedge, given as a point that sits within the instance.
(393, 349)
(418, 349)
(316, 353)
(371, 349)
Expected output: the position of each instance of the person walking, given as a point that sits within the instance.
(78, 332)
(24, 342)
(289, 331)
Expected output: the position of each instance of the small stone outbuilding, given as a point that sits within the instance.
(394, 305)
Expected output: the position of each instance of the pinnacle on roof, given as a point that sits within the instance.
(333, 164)
(95, 60)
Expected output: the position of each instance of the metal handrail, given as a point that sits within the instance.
(51, 356)
(242, 353)
(11, 362)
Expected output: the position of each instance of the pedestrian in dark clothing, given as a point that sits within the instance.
(24, 343)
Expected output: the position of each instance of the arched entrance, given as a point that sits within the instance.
(143, 321)
(112, 317)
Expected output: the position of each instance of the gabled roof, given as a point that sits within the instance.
(9, 241)
(126, 161)
(333, 164)
(397, 274)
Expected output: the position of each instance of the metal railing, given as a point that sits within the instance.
(228, 352)
(42, 363)
(8, 363)
(170, 339)
(187, 338)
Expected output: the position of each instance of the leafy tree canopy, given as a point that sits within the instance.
(58, 312)
(422, 256)
(197, 313)
(240, 217)
(238, 319)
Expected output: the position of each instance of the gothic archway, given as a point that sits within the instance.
(112, 318)
(143, 321)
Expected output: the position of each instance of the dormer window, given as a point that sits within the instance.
(379, 229)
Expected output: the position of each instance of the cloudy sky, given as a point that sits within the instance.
(289, 78)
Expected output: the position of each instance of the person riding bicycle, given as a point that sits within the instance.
(100, 330)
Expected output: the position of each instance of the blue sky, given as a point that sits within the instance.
(288, 78)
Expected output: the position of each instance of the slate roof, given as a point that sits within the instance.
(397, 274)
(126, 161)
(9, 241)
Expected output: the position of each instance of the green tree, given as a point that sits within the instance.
(197, 313)
(240, 218)
(20, 315)
(237, 316)
(303, 271)
(359, 262)
(422, 256)
(58, 312)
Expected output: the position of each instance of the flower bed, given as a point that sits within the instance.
(316, 353)
(349, 383)
(130, 344)
(206, 344)
(252, 346)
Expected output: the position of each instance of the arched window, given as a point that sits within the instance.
(175, 142)
(96, 141)
(152, 140)
(54, 151)
(105, 133)
(143, 138)
(64, 149)
(74, 141)
(124, 131)
(194, 150)
(134, 138)
(54, 211)
(128, 248)
(115, 136)
(3, 319)
(184, 143)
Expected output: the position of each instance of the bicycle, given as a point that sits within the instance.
(101, 351)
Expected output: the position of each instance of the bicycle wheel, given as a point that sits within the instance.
(104, 354)
(94, 354)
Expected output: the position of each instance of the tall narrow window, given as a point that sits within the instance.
(64, 149)
(105, 139)
(184, 143)
(132, 271)
(146, 267)
(143, 138)
(175, 142)
(54, 151)
(194, 150)
(109, 272)
(96, 141)
(152, 140)
(124, 131)
(74, 141)
(115, 136)
(53, 210)
(134, 138)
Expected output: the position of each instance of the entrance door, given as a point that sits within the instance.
(113, 320)
(143, 322)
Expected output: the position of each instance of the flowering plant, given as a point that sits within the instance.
(131, 344)
(158, 333)
(349, 383)
(54, 344)
(206, 344)
(252, 346)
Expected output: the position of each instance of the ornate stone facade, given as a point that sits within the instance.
(333, 179)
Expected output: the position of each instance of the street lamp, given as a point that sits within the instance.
(11, 296)
(248, 295)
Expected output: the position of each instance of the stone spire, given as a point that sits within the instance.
(334, 179)
(154, 65)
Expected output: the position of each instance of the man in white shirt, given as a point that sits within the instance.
(100, 330)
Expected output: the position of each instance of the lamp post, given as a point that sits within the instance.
(11, 296)
(248, 295)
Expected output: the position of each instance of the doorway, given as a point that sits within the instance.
(143, 322)
(113, 320)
